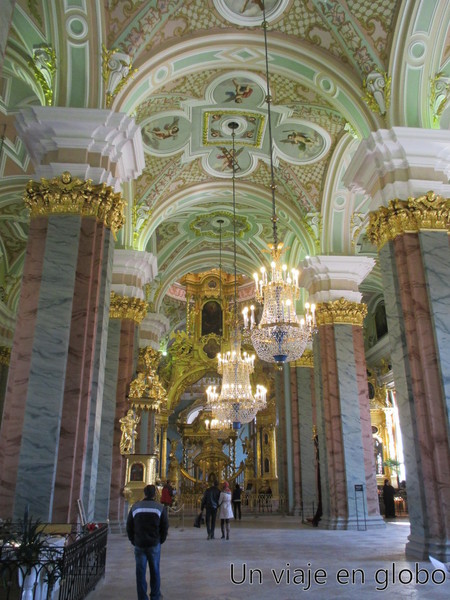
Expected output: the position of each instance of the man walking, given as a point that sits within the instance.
(210, 501)
(147, 527)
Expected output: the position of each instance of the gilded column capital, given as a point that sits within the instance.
(5, 355)
(70, 195)
(306, 360)
(340, 311)
(429, 212)
(123, 307)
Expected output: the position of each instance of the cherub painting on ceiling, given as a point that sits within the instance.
(306, 144)
(153, 135)
(242, 90)
(300, 139)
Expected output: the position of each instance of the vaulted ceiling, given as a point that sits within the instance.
(195, 66)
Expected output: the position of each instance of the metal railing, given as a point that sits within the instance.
(58, 573)
(250, 503)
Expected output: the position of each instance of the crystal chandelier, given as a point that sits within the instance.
(236, 403)
(217, 428)
(280, 335)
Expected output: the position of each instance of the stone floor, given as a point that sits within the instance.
(277, 557)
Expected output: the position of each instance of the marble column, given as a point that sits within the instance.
(132, 270)
(348, 482)
(295, 433)
(406, 172)
(5, 355)
(80, 158)
(304, 380)
(281, 445)
(412, 237)
(128, 311)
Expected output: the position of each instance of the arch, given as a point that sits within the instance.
(310, 66)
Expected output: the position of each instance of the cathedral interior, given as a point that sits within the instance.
(154, 155)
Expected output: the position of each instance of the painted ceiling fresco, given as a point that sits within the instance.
(185, 70)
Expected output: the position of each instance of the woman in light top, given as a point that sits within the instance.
(226, 510)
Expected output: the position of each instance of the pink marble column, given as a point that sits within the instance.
(335, 472)
(77, 397)
(431, 420)
(125, 375)
(15, 401)
(295, 442)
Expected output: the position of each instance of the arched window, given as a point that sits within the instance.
(266, 465)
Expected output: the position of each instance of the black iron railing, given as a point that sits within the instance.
(84, 565)
(60, 573)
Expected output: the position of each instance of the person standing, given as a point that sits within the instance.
(388, 499)
(167, 494)
(210, 502)
(147, 527)
(236, 498)
(226, 511)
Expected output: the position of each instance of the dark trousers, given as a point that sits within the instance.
(150, 555)
(237, 509)
(210, 518)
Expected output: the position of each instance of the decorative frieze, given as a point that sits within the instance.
(70, 195)
(340, 311)
(428, 212)
(123, 307)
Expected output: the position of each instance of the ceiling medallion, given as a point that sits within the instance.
(249, 12)
(205, 225)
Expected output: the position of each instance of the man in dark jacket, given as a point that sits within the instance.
(147, 527)
(210, 501)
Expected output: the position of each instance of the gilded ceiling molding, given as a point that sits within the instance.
(439, 95)
(306, 360)
(5, 355)
(377, 91)
(43, 63)
(340, 311)
(429, 212)
(124, 307)
(70, 195)
(116, 72)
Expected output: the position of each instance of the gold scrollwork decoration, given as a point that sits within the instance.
(123, 307)
(5, 355)
(70, 195)
(428, 212)
(439, 96)
(43, 63)
(340, 311)
(306, 360)
(116, 72)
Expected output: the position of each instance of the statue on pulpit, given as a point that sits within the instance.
(128, 426)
